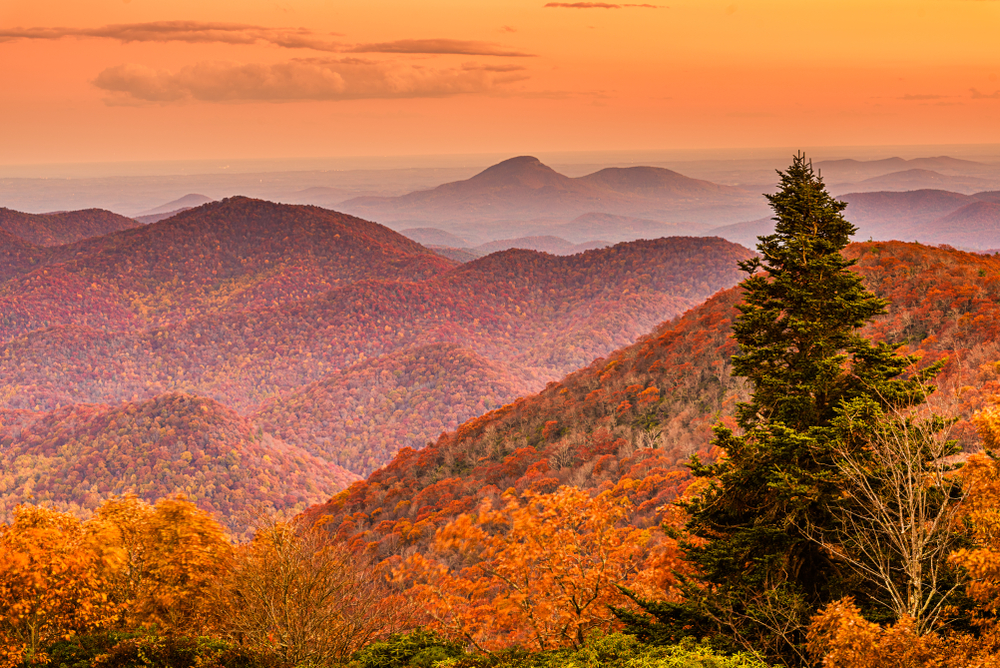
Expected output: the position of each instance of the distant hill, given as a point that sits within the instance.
(597, 225)
(850, 170)
(523, 189)
(543, 244)
(75, 457)
(180, 204)
(460, 255)
(65, 227)
(431, 236)
(519, 186)
(652, 182)
(236, 253)
(746, 233)
(973, 226)
(918, 179)
(892, 215)
(157, 217)
(929, 216)
(324, 196)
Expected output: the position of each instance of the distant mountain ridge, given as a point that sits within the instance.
(230, 254)
(523, 188)
(928, 215)
(853, 170)
(64, 227)
(188, 201)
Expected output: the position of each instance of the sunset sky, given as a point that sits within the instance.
(109, 80)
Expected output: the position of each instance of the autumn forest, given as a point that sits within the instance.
(252, 434)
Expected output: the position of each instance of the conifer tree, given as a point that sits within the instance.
(752, 533)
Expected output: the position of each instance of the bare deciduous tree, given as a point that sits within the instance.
(897, 511)
(298, 594)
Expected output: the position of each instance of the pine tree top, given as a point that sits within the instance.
(800, 316)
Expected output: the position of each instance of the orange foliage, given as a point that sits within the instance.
(55, 579)
(540, 571)
(981, 478)
(843, 639)
(184, 554)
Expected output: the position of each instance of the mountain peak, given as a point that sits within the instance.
(188, 201)
(526, 171)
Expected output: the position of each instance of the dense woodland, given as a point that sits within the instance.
(790, 473)
(126, 320)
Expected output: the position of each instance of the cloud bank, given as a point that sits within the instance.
(196, 32)
(597, 5)
(977, 95)
(439, 46)
(348, 79)
(192, 32)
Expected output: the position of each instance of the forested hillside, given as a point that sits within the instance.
(330, 333)
(634, 418)
(230, 255)
(416, 394)
(76, 457)
(63, 227)
(527, 317)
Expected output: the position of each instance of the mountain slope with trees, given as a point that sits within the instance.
(532, 316)
(633, 419)
(64, 227)
(76, 457)
(227, 255)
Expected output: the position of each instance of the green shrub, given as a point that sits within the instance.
(138, 650)
(616, 650)
(419, 649)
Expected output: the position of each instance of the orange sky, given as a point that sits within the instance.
(107, 80)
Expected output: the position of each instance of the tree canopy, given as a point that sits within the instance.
(753, 529)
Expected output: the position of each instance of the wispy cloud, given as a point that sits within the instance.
(922, 98)
(439, 46)
(300, 79)
(976, 95)
(197, 32)
(598, 5)
(193, 32)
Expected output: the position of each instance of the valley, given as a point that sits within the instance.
(382, 387)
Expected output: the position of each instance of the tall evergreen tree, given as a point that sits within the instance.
(752, 532)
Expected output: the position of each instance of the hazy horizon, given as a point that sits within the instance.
(107, 81)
